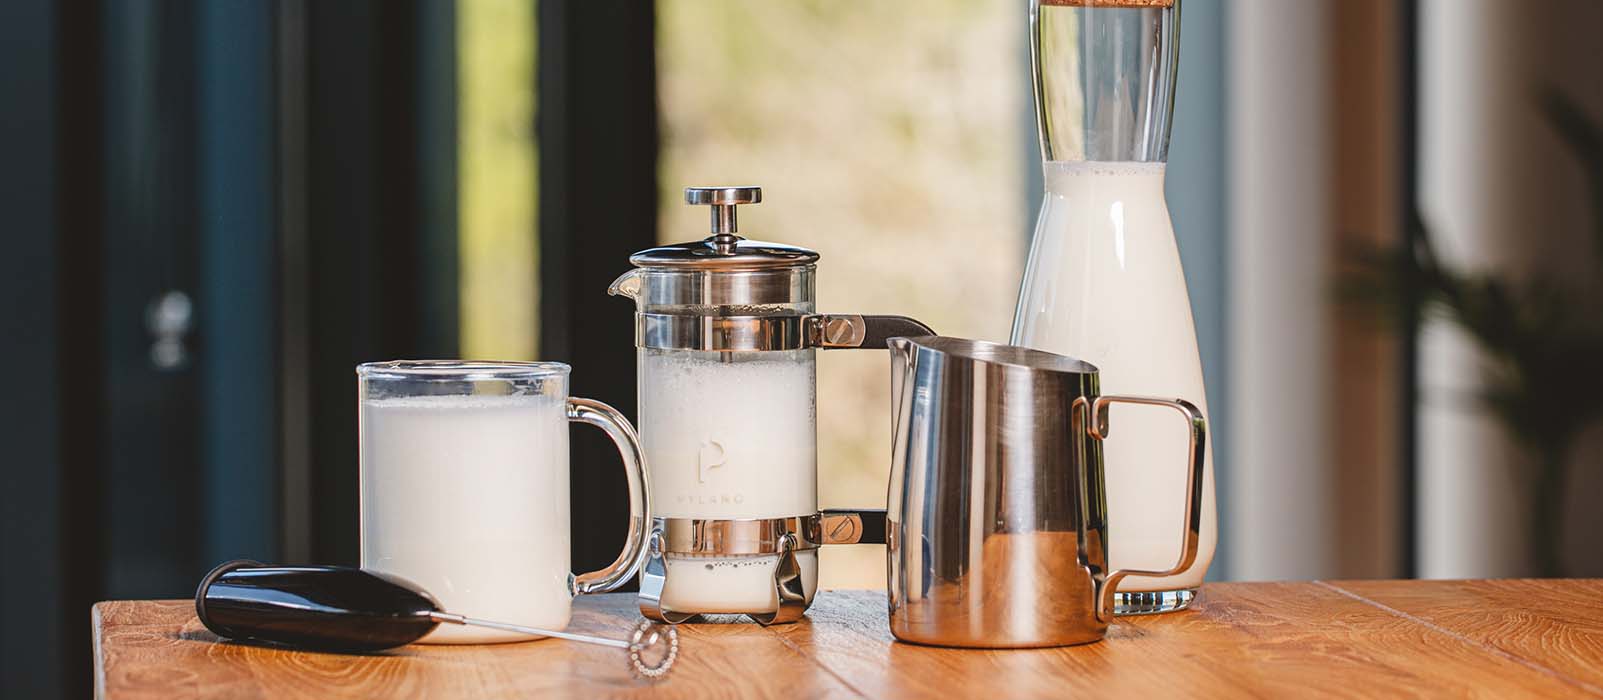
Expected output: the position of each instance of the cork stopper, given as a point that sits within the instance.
(1109, 3)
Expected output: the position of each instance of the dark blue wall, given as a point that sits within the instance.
(238, 252)
(31, 600)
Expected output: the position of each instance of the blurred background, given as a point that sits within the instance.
(216, 209)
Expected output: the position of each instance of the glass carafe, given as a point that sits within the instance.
(1104, 281)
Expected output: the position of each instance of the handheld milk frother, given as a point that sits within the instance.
(344, 609)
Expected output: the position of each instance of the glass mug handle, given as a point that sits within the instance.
(1196, 454)
(610, 421)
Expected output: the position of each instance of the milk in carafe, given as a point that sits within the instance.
(1105, 285)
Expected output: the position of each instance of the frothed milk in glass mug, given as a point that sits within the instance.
(464, 489)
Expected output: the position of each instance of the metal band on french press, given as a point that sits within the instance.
(698, 537)
(698, 288)
(720, 333)
(748, 333)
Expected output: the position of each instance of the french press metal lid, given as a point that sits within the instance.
(726, 293)
(724, 250)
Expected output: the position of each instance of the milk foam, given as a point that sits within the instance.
(729, 439)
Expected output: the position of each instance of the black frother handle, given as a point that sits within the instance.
(324, 608)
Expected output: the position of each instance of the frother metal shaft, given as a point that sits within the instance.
(456, 619)
(652, 648)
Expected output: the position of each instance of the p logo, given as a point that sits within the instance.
(711, 456)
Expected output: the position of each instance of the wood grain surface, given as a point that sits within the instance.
(1509, 638)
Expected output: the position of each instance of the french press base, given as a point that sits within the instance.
(753, 542)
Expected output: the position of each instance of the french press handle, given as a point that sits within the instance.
(852, 331)
(852, 526)
(849, 331)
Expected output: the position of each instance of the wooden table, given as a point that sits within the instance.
(1502, 639)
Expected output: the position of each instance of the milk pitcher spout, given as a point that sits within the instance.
(901, 368)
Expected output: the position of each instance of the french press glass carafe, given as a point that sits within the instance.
(726, 332)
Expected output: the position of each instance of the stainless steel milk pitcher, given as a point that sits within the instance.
(997, 521)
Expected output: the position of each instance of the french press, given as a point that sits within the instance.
(726, 333)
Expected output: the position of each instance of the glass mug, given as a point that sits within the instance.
(464, 489)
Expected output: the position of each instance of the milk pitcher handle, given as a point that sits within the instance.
(610, 421)
(1197, 426)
